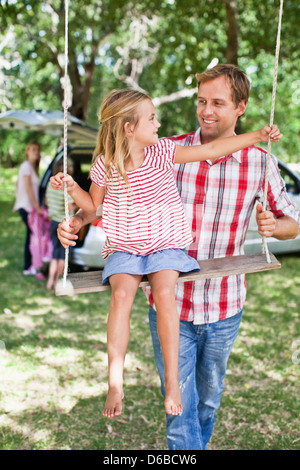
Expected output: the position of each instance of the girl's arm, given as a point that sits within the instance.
(88, 201)
(34, 202)
(225, 146)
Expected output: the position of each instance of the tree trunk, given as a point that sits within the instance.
(81, 86)
(81, 90)
(232, 31)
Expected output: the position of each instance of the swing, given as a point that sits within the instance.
(87, 282)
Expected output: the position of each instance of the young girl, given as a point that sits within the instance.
(146, 229)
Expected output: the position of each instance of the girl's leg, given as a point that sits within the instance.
(52, 273)
(60, 270)
(124, 287)
(162, 287)
(56, 269)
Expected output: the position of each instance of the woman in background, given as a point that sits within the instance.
(27, 198)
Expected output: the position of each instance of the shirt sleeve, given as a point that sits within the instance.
(26, 169)
(162, 154)
(278, 200)
(98, 173)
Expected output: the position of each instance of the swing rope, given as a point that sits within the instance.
(265, 248)
(65, 161)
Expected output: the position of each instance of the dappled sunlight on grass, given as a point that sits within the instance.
(53, 365)
(261, 396)
(54, 380)
(27, 434)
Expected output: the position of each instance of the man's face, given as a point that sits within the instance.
(217, 113)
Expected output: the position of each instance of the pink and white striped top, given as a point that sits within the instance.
(147, 216)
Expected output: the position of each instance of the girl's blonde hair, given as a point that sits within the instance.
(119, 107)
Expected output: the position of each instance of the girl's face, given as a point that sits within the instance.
(146, 131)
(33, 153)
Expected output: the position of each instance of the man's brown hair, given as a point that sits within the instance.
(237, 79)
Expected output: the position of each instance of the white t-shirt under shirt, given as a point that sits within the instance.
(147, 216)
(22, 198)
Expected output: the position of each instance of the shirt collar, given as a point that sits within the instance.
(236, 155)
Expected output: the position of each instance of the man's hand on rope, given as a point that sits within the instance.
(266, 222)
(67, 233)
(281, 228)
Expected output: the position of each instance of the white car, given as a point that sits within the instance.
(82, 140)
(253, 240)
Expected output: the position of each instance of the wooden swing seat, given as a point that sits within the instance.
(91, 281)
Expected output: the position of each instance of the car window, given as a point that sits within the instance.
(290, 182)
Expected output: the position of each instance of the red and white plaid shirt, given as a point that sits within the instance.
(218, 200)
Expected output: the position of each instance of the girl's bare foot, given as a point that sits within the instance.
(113, 404)
(173, 405)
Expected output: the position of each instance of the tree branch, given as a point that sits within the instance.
(177, 95)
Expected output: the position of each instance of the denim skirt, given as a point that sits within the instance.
(173, 259)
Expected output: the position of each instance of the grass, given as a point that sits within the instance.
(53, 364)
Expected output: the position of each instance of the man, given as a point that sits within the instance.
(218, 198)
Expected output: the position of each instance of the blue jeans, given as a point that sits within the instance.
(203, 356)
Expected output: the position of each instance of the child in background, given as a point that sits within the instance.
(145, 225)
(56, 210)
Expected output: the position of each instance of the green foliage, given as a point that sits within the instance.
(287, 101)
(157, 46)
